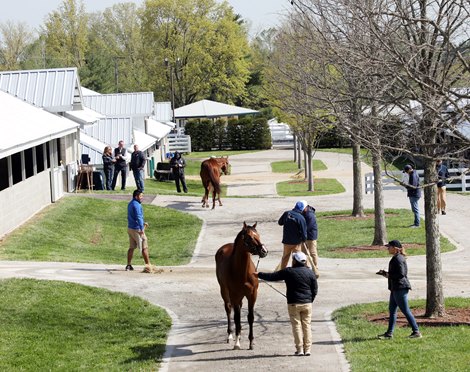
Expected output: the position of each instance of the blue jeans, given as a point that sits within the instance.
(399, 299)
(414, 207)
(139, 179)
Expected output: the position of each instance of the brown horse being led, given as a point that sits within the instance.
(210, 176)
(235, 274)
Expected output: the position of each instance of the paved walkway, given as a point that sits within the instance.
(190, 293)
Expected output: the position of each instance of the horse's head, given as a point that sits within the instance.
(224, 165)
(252, 241)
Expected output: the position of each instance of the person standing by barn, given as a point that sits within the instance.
(177, 164)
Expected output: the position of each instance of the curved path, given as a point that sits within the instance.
(190, 293)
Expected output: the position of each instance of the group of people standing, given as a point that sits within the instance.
(115, 163)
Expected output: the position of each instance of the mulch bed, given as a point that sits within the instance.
(453, 317)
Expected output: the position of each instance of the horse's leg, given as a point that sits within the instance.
(238, 325)
(251, 317)
(218, 198)
(214, 195)
(228, 311)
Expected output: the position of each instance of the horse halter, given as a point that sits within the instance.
(253, 246)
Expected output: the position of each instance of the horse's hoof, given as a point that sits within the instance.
(236, 347)
(251, 347)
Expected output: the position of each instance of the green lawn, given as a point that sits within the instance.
(441, 348)
(289, 166)
(322, 186)
(58, 326)
(336, 230)
(83, 229)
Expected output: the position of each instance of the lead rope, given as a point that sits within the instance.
(265, 282)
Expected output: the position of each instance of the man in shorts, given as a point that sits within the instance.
(136, 229)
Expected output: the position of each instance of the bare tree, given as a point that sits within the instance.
(420, 56)
(288, 87)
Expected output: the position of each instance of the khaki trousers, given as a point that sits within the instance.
(288, 250)
(441, 199)
(300, 318)
(312, 250)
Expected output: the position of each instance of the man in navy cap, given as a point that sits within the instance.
(413, 192)
(294, 231)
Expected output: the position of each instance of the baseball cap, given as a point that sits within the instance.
(394, 243)
(300, 205)
(299, 256)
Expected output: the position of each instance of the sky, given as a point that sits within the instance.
(261, 14)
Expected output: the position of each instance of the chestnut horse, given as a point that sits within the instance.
(235, 274)
(210, 176)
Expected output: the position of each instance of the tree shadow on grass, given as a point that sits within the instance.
(146, 352)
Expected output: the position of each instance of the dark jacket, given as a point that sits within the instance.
(295, 227)
(108, 162)
(414, 181)
(397, 273)
(443, 174)
(177, 164)
(301, 283)
(137, 160)
(311, 220)
(121, 162)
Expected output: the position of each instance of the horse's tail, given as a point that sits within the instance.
(214, 177)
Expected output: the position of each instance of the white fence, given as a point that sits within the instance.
(179, 142)
(461, 181)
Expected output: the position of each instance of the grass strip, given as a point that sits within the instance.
(58, 326)
(84, 229)
(441, 348)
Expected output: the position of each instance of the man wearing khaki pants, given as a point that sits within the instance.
(302, 289)
(312, 236)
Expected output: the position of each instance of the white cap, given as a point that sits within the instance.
(299, 256)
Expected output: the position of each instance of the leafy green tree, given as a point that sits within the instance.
(204, 46)
(66, 35)
(115, 55)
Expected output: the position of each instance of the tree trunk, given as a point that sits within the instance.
(299, 157)
(434, 291)
(309, 164)
(380, 231)
(358, 208)
(305, 165)
(295, 148)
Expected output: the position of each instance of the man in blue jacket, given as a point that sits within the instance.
(312, 236)
(136, 229)
(302, 289)
(443, 175)
(413, 192)
(294, 231)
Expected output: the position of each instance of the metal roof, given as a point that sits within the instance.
(159, 129)
(121, 104)
(92, 147)
(210, 109)
(23, 126)
(144, 141)
(163, 111)
(55, 90)
(85, 116)
(111, 131)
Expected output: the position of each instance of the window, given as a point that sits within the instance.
(3, 173)
(40, 158)
(17, 168)
(29, 162)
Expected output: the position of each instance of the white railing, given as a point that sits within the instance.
(181, 143)
(461, 181)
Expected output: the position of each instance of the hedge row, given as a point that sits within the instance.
(247, 133)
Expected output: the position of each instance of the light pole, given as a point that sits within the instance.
(172, 68)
